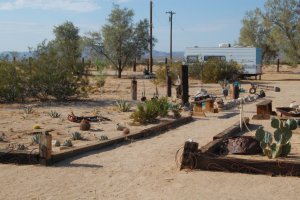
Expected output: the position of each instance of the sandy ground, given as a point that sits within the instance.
(146, 169)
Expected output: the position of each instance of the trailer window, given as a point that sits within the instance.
(192, 59)
(221, 58)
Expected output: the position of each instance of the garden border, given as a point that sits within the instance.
(206, 159)
(25, 157)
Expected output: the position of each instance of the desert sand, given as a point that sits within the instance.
(146, 168)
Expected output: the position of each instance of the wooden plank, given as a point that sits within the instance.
(232, 130)
(225, 164)
(19, 157)
(74, 151)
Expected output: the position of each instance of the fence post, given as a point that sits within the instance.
(45, 148)
(185, 84)
(134, 89)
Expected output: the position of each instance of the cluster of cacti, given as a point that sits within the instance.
(54, 114)
(122, 105)
(2, 138)
(68, 143)
(36, 139)
(76, 136)
(20, 147)
(282, 137)
(103, 137)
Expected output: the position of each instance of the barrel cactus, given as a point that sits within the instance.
(282, 136)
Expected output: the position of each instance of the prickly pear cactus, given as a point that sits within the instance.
(282, 136)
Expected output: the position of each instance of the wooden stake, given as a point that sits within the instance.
(45, 148)
(134, 89)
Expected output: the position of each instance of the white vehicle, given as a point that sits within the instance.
(250, 58)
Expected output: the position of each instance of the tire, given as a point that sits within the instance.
(252, 90)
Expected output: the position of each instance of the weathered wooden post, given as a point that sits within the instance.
(134, 65)
(45, 148)
(133, 89)
(185, 84)
(82, 60)
(278, 62)
(188, 155)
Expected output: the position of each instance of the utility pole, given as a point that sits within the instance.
(171, 24)
(151, 59)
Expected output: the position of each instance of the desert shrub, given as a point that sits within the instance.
(54, 114)
(12, 87)
(100, 77)
(50, 75)
(195, 71)
(175, 71)
(148, 111)
(163, 106)
(122, 105)
(215, 70)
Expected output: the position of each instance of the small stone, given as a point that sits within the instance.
(126, 131)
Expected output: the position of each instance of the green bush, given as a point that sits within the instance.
(12, 82)
(215, 70)
(122, 105)
(148, 111)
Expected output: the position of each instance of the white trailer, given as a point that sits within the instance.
(249, 58)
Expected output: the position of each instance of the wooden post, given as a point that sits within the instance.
(278, 62)
(169, 81)
(134, 65)
(134, 89)
(82, 60)
(188, 156)
(185, 84)
(45, 148)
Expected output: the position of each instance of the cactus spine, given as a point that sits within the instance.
(282, 137)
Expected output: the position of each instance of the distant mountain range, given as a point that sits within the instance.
(157, 55)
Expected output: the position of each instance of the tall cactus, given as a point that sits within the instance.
(282, 137)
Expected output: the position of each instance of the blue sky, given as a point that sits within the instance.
(206, 23)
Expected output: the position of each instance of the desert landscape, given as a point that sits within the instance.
(144, 168)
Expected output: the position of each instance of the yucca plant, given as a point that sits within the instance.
(122, 105)
(54, 114)
(76, 136)
(28, 110)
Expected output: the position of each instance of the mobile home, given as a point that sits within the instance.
(250, 58)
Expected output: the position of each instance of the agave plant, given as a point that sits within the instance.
(36, 139)
(76, 136)
(20, 147)
(54, 114)
(68, 143)
(103, 137)
(2, 138)
(122, 105)
(28, 110)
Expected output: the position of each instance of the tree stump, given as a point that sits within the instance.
(188, 158)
